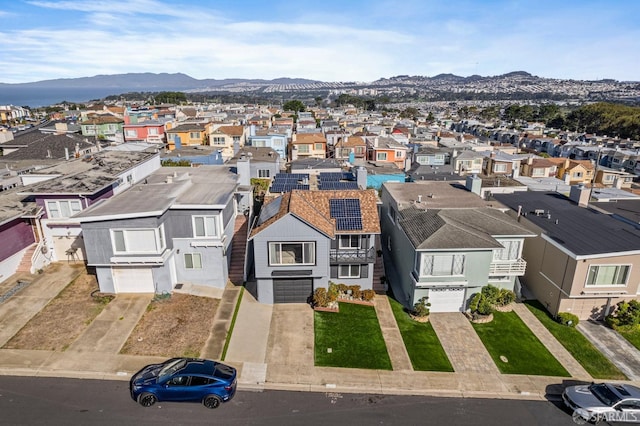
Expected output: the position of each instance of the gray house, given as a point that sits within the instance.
(302, 240)
(264, 162)
(446, 243)
(175, 227)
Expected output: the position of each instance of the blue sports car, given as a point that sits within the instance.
(184, 379)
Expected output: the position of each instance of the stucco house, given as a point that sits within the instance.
(446, 243)
(302, 240)
(174, 227)
(582, 260)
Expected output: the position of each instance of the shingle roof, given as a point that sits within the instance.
(187, 128)
(458, 228)
(38, 146)
(581, 231)
(312, 207)
(230, 130)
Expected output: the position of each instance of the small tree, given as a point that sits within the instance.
(627, 314)
(421, 307)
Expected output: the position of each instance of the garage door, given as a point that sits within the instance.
(133, 280)
(446, 299)
(292, 290)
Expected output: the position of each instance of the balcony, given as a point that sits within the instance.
(353, 255)
(513, 267)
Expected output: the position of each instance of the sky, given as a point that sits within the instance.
(328, 40)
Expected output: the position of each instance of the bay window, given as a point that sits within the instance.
(442, 264)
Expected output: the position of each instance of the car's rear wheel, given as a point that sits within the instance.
(147, 399)
(211, 401)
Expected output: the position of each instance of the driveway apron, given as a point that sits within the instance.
(461, 343)
(615, 347)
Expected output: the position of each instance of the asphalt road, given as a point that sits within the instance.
(54, 401)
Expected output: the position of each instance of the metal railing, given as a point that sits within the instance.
(352, 255)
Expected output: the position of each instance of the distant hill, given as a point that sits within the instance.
(150, 82)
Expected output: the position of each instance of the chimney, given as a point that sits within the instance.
(419, 198)
(579, 194)
(361, 177)
(169, 179)
(66, 153)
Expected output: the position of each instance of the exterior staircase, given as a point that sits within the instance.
(378, 272)
(238, 251)
(25, 263)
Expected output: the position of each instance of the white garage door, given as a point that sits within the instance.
(133, 280)
(446, 299)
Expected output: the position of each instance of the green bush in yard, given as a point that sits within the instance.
(505, 297)
(481, 304)
(626, 314)
(568, 319)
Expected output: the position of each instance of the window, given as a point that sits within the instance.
(194, 135)
(304, 148)
(604, 275)
(349, 241)
(205, 226)
(381, 156)
(392, 214)
(537, 172)
(349, 271)
(147, 240)
(63, 208)
(291, 253)
(218, 141)
(442, 265)
(399, 154)
(319, 147)
(511, 251)
(608, 178)
(499, 168)
(132, 133)
(263, 173)
(152, 131)
(236, 138)
(200, 381)
(577, 174)
(193, 261)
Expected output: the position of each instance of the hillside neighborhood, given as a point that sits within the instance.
(453, 220)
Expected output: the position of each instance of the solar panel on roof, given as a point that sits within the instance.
(348, 223)
(347, 213)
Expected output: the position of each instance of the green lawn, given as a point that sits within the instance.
(354, 337)
(420, 339)
(508, 336)
(596, 364)
(632, 335)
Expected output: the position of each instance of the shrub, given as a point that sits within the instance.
(421, 308)
(342, 288)
(490, 293)
(475, 301)
(333, 292)
(356, 293)
(320, 297)
(626, 314)
(368, 295)
(568, 319)
(505, 297)
(480, 304)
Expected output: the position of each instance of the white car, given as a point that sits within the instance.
(609, 402)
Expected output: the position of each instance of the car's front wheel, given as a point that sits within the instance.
(211, 401)
(147, 399)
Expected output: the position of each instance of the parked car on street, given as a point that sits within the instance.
(609, 402)
(184, 379)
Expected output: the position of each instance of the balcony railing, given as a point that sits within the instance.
(514, 267)
(353, 255)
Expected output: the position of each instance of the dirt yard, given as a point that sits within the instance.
(178, 325)
(56, 326)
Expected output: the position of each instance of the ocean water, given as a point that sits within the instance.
(39, 97)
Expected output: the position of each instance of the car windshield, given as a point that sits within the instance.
(171, 368)
(604, 394)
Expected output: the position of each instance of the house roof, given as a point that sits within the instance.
(458, 228)
(433, 195)
(312, 207)
(177, 187)
(256, 153)
(581, 231)
(187, 128)
(102, 119)
(86, 176)
(40, 146)
(230, 130)
(352, 141)
(309, 138)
